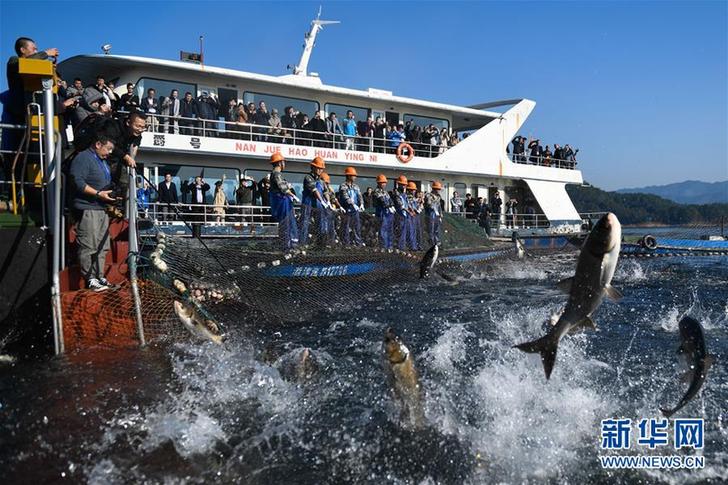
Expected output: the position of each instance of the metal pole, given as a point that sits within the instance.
(134, 254)
(52, 151)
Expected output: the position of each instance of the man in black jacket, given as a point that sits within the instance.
(17, 98)
(536, 151)
(129, 101)
(261, 117)
(288, 123)
(198, 195)
(167, 195)
(319, 125)
(518, 149)
(207, 108)
(188, 112)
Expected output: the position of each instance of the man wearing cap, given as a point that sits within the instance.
(281, 197)
(328, 217)
(432, 211)
(312, 197)
(401, 206)
(385, 211)
(413, 222)
(352, 201)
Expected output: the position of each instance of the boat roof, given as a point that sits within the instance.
(114, 64)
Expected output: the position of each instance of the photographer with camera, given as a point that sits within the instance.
(91, 179)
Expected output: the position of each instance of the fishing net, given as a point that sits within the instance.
(108, 319)
(699, 239)
(234, 281)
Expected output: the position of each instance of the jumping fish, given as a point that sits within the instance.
(403, 379)
(520, 250)
(299, 365)
(692, 347)
(198, 326)
(428, 261)
(587, 288)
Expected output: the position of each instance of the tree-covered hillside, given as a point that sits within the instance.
(643, 208)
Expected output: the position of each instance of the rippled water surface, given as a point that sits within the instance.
(193, 413)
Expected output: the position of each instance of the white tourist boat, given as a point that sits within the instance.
(479, 164)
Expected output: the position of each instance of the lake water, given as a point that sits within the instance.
(197, 413)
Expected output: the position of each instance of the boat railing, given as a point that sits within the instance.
(506, 221)
(206, 214)
(165, 124)
(543, 161)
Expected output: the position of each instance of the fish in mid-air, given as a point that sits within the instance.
(198, 325)
(403, 379)
(587, 288)
(692, 348)
(299, 365)
(520, 250)
(428, 261)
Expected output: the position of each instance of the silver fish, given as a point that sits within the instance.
(403, 379)
(692, 347)
(198, 326)
(428, 261)
(587, 288)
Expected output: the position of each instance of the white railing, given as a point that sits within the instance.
(505, 221)
(158, 123)
(543, 161)
(206, 214)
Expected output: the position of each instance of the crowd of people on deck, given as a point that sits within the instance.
(185, 113)
(532, 152)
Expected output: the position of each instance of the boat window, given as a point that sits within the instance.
(360, 114)
(163, 88)
(271, 101)
(424, 121)
(185, 174)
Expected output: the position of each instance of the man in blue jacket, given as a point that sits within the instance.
(352, 201)
(91, 179)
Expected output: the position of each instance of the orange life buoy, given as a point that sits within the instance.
(400, 152)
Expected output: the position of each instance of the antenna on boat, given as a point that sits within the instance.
(309, 42)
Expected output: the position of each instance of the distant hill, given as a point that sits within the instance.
(688, 192)
(643, 208)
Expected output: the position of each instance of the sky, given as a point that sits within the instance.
(640, 87)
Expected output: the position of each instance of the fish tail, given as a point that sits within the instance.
(547, 347)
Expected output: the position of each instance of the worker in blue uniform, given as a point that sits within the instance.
(401, 206)
(385, 211)
(312, 201)
(282, 198)
(433, 211)
(352, 201)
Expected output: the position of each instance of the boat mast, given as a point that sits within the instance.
(309, 42)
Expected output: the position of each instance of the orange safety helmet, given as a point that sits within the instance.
(277, 157)
(411, 186)
(436, 185)
(318, 162)
(401, 180)
(350, 171)
(381, 179)
(325, 177)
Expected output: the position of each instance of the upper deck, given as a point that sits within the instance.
(482, 153)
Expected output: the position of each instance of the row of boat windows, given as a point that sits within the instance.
(273, 101)
(186, 174)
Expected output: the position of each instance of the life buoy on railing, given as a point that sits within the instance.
(648, 242)
(400, 152)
